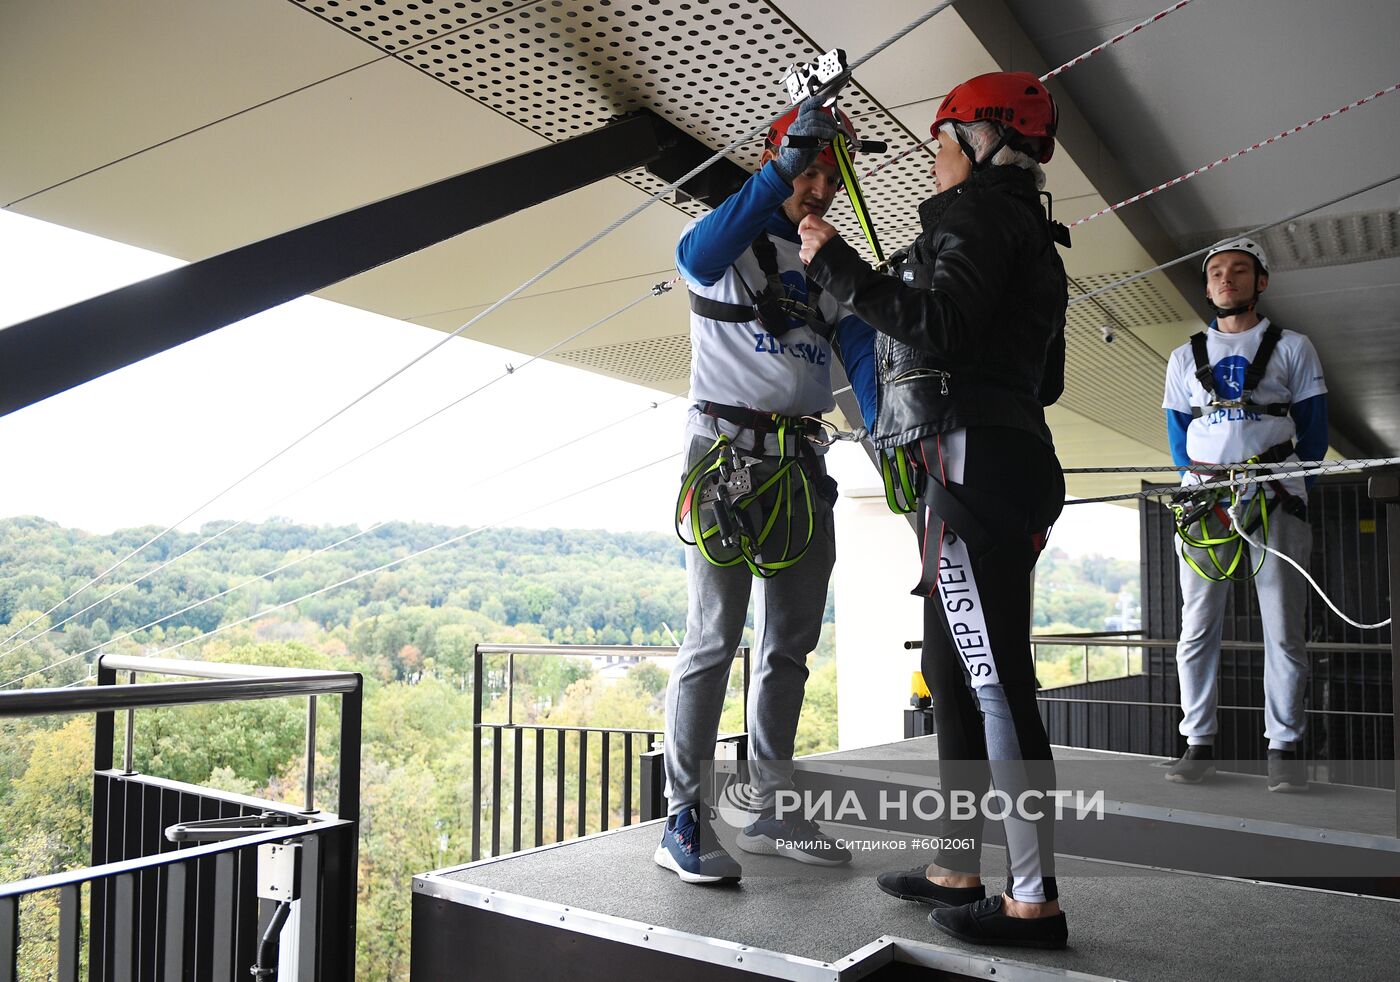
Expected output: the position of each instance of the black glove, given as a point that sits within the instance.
(811, 121)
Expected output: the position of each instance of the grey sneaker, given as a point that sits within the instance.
(1286, 772)
(690, 849)
(1194, 766)
(799, 839)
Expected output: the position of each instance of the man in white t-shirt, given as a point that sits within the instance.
(1245, 390)
(762, 338)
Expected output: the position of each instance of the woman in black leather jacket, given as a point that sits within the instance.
(970, 350)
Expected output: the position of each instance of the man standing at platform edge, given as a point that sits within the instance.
(762, 339)
(1245, 390)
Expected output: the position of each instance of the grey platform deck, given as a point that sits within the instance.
(1140, 780)
(1160, 926)
(1125, 922)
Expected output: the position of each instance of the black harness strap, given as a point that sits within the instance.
(1253, 375)
(718, 310)
(762, 424)
(941, 504)
(771, 304)
(1205, 371)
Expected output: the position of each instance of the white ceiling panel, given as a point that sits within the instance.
(200, 126)
(349, 141)
(86, 83)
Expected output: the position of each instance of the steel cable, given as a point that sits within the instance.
(1312, 470)
(548, 270)
(655, 291)
(1072, 63)
(287, 565)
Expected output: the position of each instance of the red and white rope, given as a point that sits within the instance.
(1047, 77)
(1114, 40)
(1237, 154)
(898, 157)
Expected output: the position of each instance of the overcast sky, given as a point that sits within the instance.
(148, 444)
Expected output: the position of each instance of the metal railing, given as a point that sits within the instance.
(1086, 640)
(160, 909)
(1350, 726)
(569, 761)
(1351, 723)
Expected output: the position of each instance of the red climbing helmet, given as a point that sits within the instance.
(774, 140)
(1016, 100)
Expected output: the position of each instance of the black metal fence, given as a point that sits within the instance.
(165, 910)
(1351, 719)
(1350, 699)
(550, 782)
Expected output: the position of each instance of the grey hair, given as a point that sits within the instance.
(983, 135)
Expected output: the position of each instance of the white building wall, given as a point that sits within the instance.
(877, 563)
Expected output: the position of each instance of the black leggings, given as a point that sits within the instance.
(976, 655)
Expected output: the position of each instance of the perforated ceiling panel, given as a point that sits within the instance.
(393, 26)
(1136, 304)
(652, 361)
(1327, 240)
(1116, 383)
(711, 67)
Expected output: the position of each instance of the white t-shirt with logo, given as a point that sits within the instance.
(1229, 436)
(743, 364)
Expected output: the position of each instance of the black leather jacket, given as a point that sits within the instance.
(980, 340)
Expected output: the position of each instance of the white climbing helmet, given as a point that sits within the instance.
(1238, 245)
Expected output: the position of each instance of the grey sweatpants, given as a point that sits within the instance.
(1283, 608)
(787, 625)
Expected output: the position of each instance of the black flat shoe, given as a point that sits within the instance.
(984, 923)
(914, 885)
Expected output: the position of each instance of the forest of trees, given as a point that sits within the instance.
(410, 630)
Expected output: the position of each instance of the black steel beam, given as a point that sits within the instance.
(52, 353)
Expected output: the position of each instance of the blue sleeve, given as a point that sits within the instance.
(855, 341)
(1310, 422)
(1177, 422)
(714, 242)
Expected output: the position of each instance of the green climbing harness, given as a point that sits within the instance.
(1202, 517)
(1203, 523)
(734, 514)
(847, 168)
(898, 475)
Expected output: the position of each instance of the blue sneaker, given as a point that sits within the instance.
(795, 838)
(690, 849)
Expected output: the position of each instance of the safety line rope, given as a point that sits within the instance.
(287, 565)
(1196, 466)
(1116, 284)
(1073, 62)
(1316, 470)
(1152, 469)
(258, 105)
(1244, 534)
(1236, 155)
(655, 291)
(185, 609)
(1114, 40)
(548, 270)
(414, 555)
